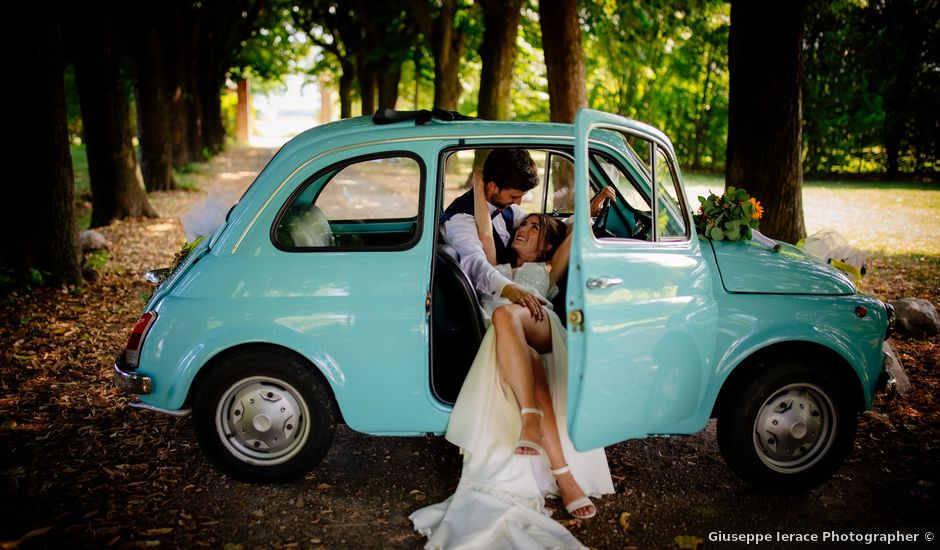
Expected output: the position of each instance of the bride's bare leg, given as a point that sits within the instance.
(515, 326)
(567, 485)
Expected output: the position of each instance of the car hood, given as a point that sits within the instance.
(750, 267)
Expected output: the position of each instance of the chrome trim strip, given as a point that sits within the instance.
(179, 414)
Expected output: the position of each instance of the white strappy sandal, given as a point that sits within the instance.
(526, 443)
(582, 502)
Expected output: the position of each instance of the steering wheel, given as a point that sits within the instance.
(600, 222)
(641, 227)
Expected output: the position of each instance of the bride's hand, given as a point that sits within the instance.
(526, 299)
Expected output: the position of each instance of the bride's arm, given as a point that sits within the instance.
(559, 261)
(481, 215)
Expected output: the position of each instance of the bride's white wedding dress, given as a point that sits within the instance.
(499, 502)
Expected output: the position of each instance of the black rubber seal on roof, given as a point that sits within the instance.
(422, 117)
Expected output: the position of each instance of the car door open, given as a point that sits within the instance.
(642, 316)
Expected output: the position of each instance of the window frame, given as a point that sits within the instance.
(607, 152)
(338, 166)
(549, 149)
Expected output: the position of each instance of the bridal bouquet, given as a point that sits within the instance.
(731, 215)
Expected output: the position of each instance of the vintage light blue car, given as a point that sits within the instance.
(328, 295)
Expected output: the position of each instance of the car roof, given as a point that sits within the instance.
(360, 130)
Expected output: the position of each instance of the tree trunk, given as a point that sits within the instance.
(117, 187)
(176, 90)
(346, 81)
(448, 44)
(368, 80)
(193, 96)
(153, 121)
(498, 52)
(40, 221)
(564, 64)
(210, 89)
(388, 88)
(764, 111)
(564, 58)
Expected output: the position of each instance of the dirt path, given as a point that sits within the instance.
(79, 467)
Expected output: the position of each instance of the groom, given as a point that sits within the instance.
(508, 175)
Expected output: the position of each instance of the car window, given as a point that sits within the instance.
(366, 204)
(459, 167)
(560, 196)
(672, 222)
(620, 180)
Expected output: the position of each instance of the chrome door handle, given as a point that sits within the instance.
(603, 282)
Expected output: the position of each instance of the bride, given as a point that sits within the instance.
(509, 419)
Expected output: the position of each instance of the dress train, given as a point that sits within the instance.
(499, 502)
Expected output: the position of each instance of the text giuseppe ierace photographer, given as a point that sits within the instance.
(825, 536)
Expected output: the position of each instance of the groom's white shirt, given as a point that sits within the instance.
(461, 233)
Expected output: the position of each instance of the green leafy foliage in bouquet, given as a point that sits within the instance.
(184, 252)
(730, 216)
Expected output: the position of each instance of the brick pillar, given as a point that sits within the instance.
(243, 118)
(326, 100)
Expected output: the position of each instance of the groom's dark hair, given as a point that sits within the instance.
(511, 169)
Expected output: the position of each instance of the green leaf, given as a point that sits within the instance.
(716, 234)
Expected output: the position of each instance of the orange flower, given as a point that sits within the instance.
(758, 209)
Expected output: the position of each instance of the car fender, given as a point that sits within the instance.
(827, 322)
(172, 386)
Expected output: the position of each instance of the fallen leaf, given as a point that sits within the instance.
(158, 531)
(688, 542)
(625, 521)
(32, 534)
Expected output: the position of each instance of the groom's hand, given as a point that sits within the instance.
(526, 299)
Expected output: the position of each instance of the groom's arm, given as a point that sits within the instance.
(462, 234)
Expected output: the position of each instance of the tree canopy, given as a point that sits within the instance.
(868, 81)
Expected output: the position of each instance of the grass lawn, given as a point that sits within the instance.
(885, 219)
(881, 218)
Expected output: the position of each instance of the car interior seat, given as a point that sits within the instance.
(306, 225)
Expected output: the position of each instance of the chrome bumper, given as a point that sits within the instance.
(892, 379)
(132, 382)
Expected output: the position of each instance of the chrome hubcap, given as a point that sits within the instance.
(263, 420)
(794, 428)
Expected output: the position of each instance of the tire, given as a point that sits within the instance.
(789, 429)
(264, 416)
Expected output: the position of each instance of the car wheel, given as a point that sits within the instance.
(264, 416)
(789, 428)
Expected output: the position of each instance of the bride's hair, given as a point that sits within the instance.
(551, 236)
